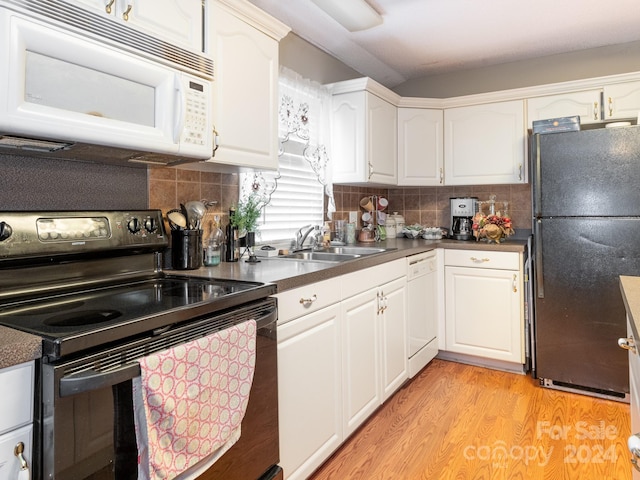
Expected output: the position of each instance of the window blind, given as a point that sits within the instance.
(298, 200)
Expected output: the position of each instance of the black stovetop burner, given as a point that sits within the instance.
(71, 320)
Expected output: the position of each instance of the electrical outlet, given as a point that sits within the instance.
(353, 217)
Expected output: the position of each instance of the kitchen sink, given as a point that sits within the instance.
(334, 254)
(321, 256)
(354, 250)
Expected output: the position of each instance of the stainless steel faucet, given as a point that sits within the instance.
(301, 237)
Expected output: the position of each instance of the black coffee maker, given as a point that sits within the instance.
(462, 211)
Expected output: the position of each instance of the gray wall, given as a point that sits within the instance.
(311, 62)
(596, 62)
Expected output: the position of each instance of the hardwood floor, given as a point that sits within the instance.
(456, 421)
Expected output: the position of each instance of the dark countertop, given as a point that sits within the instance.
(17, 347)
(630, 287)
(287, 274)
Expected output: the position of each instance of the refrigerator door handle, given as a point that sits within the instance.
(537, 190)
(538, 259)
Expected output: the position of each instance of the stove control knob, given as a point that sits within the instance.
(150, 225)
(134, 225)
(5, 231)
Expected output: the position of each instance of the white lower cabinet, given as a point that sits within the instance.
(392, 298)
(484, 304)
(375, 349)
(339, 358)
(634, 393)
(16, 417)
(361, 364)
(309, 391)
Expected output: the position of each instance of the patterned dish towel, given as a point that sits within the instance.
(190, 400)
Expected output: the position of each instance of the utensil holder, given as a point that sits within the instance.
(186, 249)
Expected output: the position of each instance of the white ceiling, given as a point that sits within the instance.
(419, 38)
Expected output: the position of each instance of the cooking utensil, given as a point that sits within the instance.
(195, 212)
(177, 221)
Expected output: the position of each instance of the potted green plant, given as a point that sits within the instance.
(245, 218)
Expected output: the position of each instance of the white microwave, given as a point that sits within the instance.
(73, 94)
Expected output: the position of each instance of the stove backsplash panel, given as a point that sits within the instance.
(28, 183)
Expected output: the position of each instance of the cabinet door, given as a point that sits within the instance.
(622, 100)
(485, 144)
(585, 104)
(245, 99)
(108, 7)
(484, 313)
(364, 139)
(382, 141)
(348, 137)
(309, 391)
(420, 154)
(16, 405)
(393, 327)
(634, 391)
(360, 360)
(177, 22)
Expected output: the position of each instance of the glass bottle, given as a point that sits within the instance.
(231, 242)
(213, 245)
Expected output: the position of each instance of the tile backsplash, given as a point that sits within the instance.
(169, 187)
(429, 206)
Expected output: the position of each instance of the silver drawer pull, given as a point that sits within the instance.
(480, 260)
(306, 302)
(634, 447)
(627, 344)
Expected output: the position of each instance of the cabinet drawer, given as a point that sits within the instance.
(16, 403)
(306, 299)
(9, 463)
(364, 280)
(482, 259)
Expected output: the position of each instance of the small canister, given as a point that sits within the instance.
(390, 225)
(399, 221)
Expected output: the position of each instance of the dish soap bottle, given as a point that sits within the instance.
(326, 233)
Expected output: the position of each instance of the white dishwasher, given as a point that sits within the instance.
(422, 309)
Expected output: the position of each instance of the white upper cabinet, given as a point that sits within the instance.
(245, 88)
(586, 104)
(363, 135)
(485, 144)
(420, 142)
(177, 22)
(622, 100)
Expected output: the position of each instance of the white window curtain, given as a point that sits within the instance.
(294, 196)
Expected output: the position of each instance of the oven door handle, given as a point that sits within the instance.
(87, 381)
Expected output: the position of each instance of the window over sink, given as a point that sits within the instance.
(294, 196)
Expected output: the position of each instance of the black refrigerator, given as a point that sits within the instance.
(586, 226)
